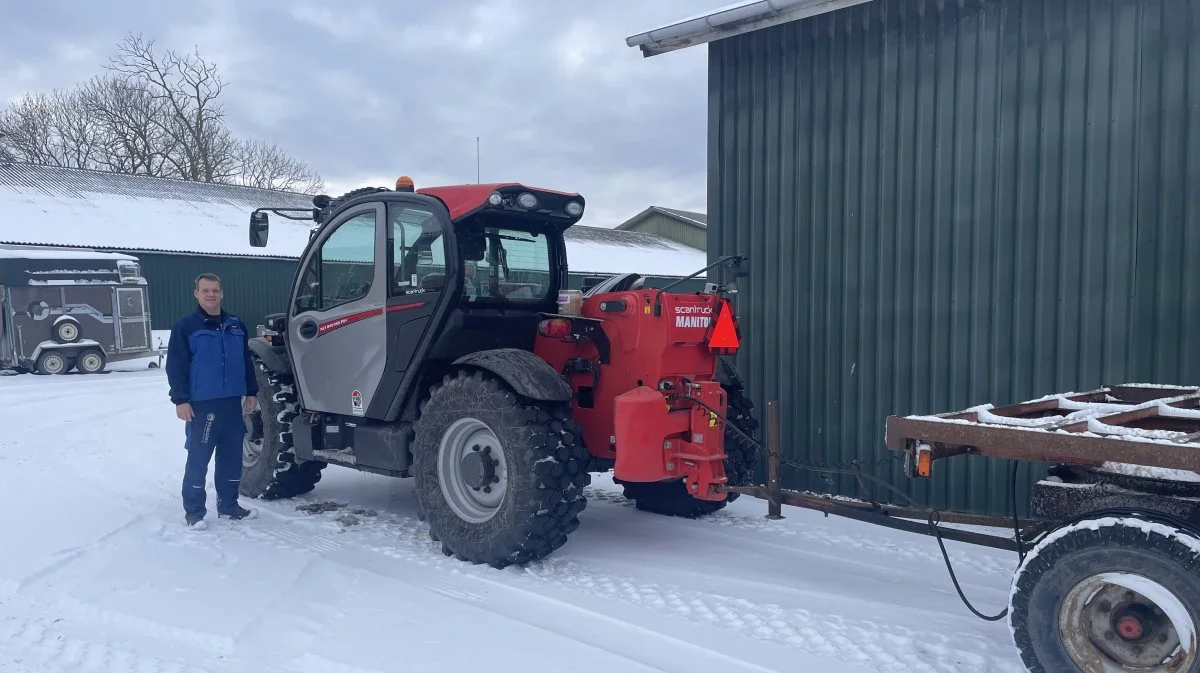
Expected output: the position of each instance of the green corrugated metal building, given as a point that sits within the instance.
(683, 226)
(948, 203)
(179, 229)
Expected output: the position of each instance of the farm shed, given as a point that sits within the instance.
(949, 203)
(179, 229)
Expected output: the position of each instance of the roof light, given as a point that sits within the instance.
(724, 338)
(527, 201)
(404, 184)
(495, 199)
(574, 208)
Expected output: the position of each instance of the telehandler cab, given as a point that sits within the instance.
(430, 333)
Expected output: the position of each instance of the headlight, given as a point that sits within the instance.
(574, 208)
(527, 201)
(495, 199)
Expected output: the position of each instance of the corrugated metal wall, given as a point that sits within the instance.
(254, 287)
(953, 202)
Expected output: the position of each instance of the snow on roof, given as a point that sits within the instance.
(735, 19)
(9, 252)
(52, 206)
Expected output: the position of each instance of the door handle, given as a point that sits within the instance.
(308, 329)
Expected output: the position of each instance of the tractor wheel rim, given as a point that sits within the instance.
(91, 362)
(472, 470)
(1119, 621)
(68, 331)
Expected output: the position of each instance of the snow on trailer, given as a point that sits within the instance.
(1109, 571)
(71, 309)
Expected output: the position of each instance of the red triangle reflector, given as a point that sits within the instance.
(724, 334)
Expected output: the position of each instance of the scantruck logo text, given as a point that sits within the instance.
(693, 316)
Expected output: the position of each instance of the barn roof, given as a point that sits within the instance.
(740, 17)
(53, 206)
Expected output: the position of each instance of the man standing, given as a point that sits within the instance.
(211, 382)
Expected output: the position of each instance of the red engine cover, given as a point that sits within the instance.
(624, 405)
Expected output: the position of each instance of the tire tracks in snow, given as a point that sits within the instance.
(878, 646)
(912, 551)
(40, 646)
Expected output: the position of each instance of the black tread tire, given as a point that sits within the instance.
(544, 498)
(670, 498)
(276, 474)
(1066, 556)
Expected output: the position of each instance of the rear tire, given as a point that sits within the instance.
(52, 364)
(1108, 590)
(671, 498)
(269, 467)
(91, 361)
(531, 459)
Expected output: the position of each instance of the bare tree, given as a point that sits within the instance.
(186, 88)
(51, 129)
(266, 165)
(133, 139)
(153, 113)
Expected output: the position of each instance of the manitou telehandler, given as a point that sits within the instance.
(430, 333)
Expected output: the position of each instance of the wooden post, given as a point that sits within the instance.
(774, 503)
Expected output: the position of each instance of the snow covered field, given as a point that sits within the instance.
(97, 573)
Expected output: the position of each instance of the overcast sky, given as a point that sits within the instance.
(383, 88)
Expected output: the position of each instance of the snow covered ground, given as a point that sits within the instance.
(97, 573)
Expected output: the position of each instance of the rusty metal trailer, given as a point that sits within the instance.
(1108, 569)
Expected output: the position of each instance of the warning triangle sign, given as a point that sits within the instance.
(724, 335)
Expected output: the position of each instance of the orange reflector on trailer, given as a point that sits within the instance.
(924, 461)
(724, 334)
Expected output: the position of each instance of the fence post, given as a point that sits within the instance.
(774, 490)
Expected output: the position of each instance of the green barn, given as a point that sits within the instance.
(948, 203)
(179, 229)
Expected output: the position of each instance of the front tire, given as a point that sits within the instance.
(1112, 594)
(671, 498)
(498, 478)
(269, 467)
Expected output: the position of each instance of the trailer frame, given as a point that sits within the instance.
(1118, 513)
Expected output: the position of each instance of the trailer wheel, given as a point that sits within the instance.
(1110, 594)
(52, 363)
(90, 361)
(269, 467)
(671, 498)
(66, 330)
(499, 478)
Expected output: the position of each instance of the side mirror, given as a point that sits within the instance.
(259, 225)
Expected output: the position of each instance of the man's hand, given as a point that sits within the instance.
(249, 404)
(184, 411)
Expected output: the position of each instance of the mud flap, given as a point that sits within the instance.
(527, 374)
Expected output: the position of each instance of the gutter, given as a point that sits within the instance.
(731, 21)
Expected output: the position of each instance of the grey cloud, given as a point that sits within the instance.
(383, 88)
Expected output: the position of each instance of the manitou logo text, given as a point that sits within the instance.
(693, 316)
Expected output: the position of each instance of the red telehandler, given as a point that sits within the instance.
(430, 333)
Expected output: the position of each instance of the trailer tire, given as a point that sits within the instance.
(1100, 581)
(67, 330)
(90, 361)
(521, 498)
(51, 363)
(670, 498)
(270, 470)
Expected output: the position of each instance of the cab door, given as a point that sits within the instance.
(339, 314)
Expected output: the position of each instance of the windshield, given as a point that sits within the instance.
(505, 265)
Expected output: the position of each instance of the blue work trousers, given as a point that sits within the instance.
(216, 427)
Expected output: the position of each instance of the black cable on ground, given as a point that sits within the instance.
(933, 513)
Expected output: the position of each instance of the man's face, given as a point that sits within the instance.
(208, 295)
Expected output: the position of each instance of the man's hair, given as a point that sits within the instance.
(207, 276)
